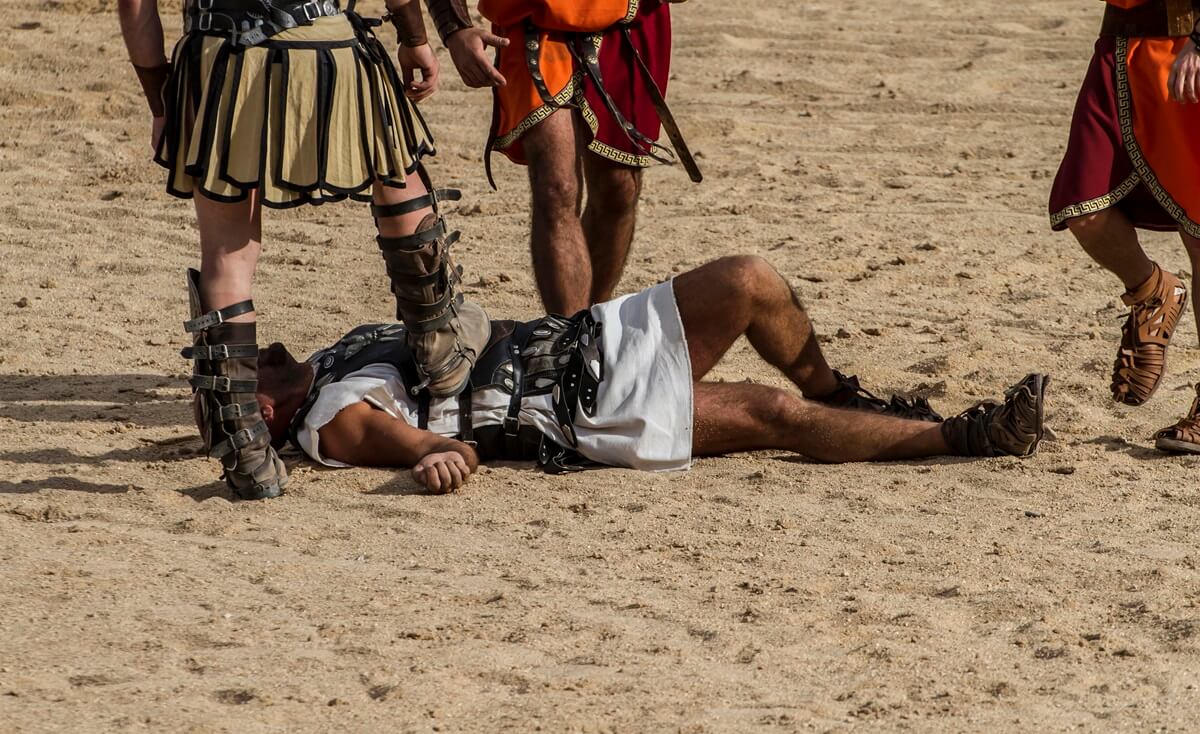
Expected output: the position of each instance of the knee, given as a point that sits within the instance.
(555, 194)
(617, 192)
(754, 277)
(1088, 227)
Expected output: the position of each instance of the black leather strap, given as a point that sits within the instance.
(423, 401)
(219, 352)
(533, 55)
(466, 427)
(664, 113)
(428, 201)
(512, 418)
(220, 316)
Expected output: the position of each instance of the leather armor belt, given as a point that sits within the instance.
(1158, 18)
(584, 52)
(251, 22)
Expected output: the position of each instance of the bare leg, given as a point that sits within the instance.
(736, 417)
(743, 294)
(230, 243)
(1110, 239)
(609, 219)
(1192, 245)
(405, 224)
(560, 255)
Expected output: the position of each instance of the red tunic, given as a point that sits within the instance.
(1131, 145)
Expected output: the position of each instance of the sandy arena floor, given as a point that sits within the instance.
(893, 162)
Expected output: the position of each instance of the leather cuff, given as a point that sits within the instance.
(154, 81)
(409, 23)
(449, 16)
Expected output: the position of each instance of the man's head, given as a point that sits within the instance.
(283, 384)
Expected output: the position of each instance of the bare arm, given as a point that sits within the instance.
(142, 29)
(360, 435)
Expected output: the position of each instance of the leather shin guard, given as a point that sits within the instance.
(224, 378)
(445, 332)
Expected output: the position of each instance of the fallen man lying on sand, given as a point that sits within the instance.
(620, 385)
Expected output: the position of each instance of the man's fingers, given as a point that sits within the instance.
(418, 91)
(422, 476)
(493, 40)
(443, 472)
(456, 478)
(489, 74)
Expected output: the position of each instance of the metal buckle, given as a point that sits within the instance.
(205, 24)
(312, 10)
(242, 438)
(222, 384)
(218, 352)
(204, 5)
(512, 426)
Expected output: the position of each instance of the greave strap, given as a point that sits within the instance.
(416, 241)
(239, 440)
(218, 352)
(222, 384)
(220, 316)
(430, 200)
(234, 411)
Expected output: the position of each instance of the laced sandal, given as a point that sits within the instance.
(1155, 308)
(1184, 436)
(1011, 428)
(851, 395)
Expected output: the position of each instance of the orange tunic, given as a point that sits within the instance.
(1161, 135)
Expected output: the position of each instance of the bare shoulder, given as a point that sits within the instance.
(342, 436)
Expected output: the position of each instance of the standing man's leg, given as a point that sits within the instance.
(225, 347)
(561, 264)
(445, 332)
(609, 220)
(1155, 298)
(1192, 245)
(1109, 238)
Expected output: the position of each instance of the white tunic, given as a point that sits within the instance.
(643, 417)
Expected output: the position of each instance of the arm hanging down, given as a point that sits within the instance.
(143, 33)
(360, 435)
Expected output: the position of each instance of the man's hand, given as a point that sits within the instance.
(442, 472)
(1184, 82)
(414, 59)
(468, 49)
(156, 132)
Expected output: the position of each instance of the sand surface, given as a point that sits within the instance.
(892, 159)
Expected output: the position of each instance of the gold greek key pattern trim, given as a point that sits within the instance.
(603, 149)
(633, 11)
(1143, 169)
(541, 113)
(1100, 203)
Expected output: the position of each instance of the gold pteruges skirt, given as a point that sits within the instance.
(315, 114)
